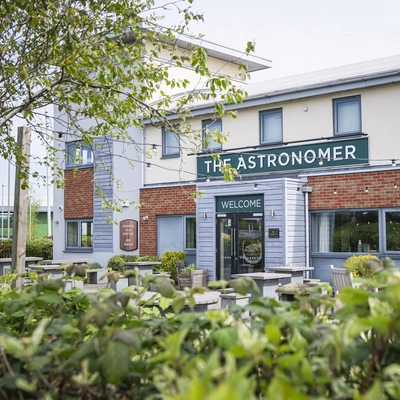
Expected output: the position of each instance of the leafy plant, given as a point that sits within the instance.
(169, 260)
(361, 266)
(186, 270)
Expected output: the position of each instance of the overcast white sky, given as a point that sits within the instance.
(303, 35)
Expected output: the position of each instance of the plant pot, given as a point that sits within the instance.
(120, 285)
(197, 278)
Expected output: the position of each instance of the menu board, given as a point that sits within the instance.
(128, 235)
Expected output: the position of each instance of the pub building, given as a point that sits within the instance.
(317, 161)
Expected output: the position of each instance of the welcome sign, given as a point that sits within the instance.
(332, 154)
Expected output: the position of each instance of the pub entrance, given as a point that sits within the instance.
(240, 243)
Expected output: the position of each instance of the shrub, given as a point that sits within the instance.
(360, 265)
(34, 248)
(5, 248)
(169, 260)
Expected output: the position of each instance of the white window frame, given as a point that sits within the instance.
(347, 115)
(211, 125)
(271, 126)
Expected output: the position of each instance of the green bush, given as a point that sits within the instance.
(116, 263)
(360, 265)
(113, 346)
(169, 260)
(34, 248)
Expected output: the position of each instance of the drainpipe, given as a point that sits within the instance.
(306, 190)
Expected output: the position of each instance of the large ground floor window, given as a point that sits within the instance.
(355, 231)
(79, 234)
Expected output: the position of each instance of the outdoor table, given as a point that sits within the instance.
(267, 283)
(297, 273)
(51, 269)
(145, 267)
(6, 263)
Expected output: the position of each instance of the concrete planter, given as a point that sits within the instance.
(235, 299)
(73, 283)
(94, 275)
(122, 283)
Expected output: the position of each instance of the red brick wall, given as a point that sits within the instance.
(351, 190)
(78, 193)
(161, 201)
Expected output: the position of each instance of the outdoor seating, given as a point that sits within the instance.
(340, 279)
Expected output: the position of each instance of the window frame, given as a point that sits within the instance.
(340, 101)
(70, 163)
(207, 124)
(313, 235)
(384, 236)
(185, 219)
(165, 153)
(263, 133)
(78, 248)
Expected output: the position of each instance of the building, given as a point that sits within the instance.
(84, 225)
(317, 157)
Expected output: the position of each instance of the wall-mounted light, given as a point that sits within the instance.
(145, 218)
(335, 191)
(320, 162)
(208, 179)
(298, 190)
(240, 158)
(395, 185)
(255, 186)
(154, 147)
(148, 165)
(366, 189)
(393, 163)
(305, 108)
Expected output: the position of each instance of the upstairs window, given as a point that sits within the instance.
(271, 126)
(171, 143)
(209, 127)
(347, 115)
(79, 155)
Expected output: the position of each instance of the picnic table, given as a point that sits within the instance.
(52, 269)
(297, 273)
(5, 263)
(145, 267)
(60, 262)
(267, 283)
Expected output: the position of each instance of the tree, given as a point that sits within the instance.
(95, 60)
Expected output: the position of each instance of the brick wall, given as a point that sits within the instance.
(351, 190)
(161, 201)
(78, 193)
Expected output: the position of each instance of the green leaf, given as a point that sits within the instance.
(165, 288)
(114, 362)
(225, 338)
(13, 346)
(273, 333)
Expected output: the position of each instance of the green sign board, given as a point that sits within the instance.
(249, 203)
(333, 153)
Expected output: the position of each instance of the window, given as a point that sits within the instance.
(271, 126)
(190, 242)
(392, 220)
(80, 234)
(79, 155)
(210, 128)
(345, 231)
(170, 141)
(347, 115)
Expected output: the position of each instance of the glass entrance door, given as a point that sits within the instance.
(240, 244)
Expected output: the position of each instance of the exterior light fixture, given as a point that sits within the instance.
(240, 157)
(395, 185)
(335, 191)
(393, 163)
(148, 165)
(154, 147)
(366, 189)
(60, 135)
(298, 190)
(208, 179)
(320, 162)
(255, 186)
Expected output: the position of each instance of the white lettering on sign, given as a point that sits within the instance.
(239, 204)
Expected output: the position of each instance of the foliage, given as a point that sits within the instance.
(57, 344)
(361, 266)
(186, 270)
(95, 265)
(99, 61)
(34, 248)
(116, 263)
(33, 217)
(169, 261)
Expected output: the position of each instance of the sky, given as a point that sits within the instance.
(303, 35)
(298, 36)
